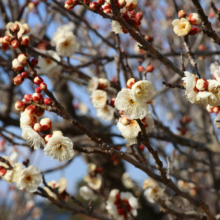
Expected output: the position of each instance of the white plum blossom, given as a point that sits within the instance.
(116, 27)
(93, 85)
(106, 113)
(26, 120)
(206, 98)
(148, 122)
(59, 147)
(117, 210)
(127, 181)
(87, 193)
(131, 109)
(30, 179)
(181, 27)
(23, 28)
(65, 42)
(142, 91)
(214, 86)
(48, 66)
(32, 138)
(99, 98)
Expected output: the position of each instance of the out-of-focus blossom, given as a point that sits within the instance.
(99, 98)
(87, 193)
(116, 27)
(127, 181)
(106, 113)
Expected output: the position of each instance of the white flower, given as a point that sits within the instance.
(142, 91)
(116, 27)
(26, 120)
(99, 98)
(106, 113)
(217, 120)
(121, 205)
(181, 27)
(127, 181)
(59, 147)
(190, 82)
(30, 179)
(209, 108)
(216, 74)
(131, 109)
(93, 182)
(103, 83)
(206, 98)
(48, 66)
(32, 138)
(10, 26)
(65, 42)
(93, 85)
(148, 122)
(87, 193)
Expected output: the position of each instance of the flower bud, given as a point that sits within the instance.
(38, 127)
(130, 6)
(38, 80)
(121, 3)
(202, 84)
(39, 112)
(202, 47)
(7, 39)
(131, 14)
(22, 58)
(87, 2)
(34, 62)
(131, 82)
(140, 68)
(194, 19)
(124, 30)
(194, 31)
(37, 97)
(25, 74)
(148, 38)
(3, 171)
(150, 68)
(107, 8)
(24, 40)
(19, 106)
(38, 90)
(28, 97)
(101, 2)
(47, 137)
(141, 147)
(209, 108)
(47, 101)
(18, 80)
(181, 14)
(30, 110)
(15, 28)
(4, 47)
(27, 28)
(93, 6)
(46, 123)
(112, 102)
(139, 16)
(70, 4)
(15, 44)
(125, 121)
(215, 109)
(43, 86)
(16, 65)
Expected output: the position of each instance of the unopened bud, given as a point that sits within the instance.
(131, 14)
(38, 90)
(15, 44)
(93, 6)
(18, 80)
(25, 74)
(7, 40)
(125, 121)
(38, 80)
(130, 6)
(19, 106)
(202, 84)
(47, 101)
(209, 108)
(87, 2)
(140, 68)
(24, 40)
(39, 112)
(194, 31)
(215, 109)
(43, 86)
(194, 19)
(148, 38)
(16, 65)
(131, 82)
(16, 28)
(121, 3)
(107, 8)
(101, 2)
(181, 14)
(70, 4)
(3, 171)
(47, 137)
(34, 62)
(38, 127)
(46, 123)
(139, 16)
(22, 58)
(4, 47)
(112, 102)
(37, 97)
(103, 83)
(28, 97)
(150, 68)
(30, 110)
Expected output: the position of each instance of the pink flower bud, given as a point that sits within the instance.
(93, 6)
(3, 171)
(130, 6)
(47, 137)
(194, 19)
(18, 80)
(15, 44)
(37, 97)
(15, 28)
(194, 31)
(202, 84)
(38, 90)
(140, 68)
(216, 109)
(136, 23)
(131, 14)
(46, 123)
(43, 86)
(47, 101)
(38, 80)
(38, 127)
(70, 4)
(139, 16)
(121, 3)
(107, 8)
(101, 2)
(125, 121)
(28, 97)
(7, 39)
(34, 62)
(39, 112)
(30, 110)
(22, 58)
(150, 68)
(16, 65)
(19, 106)
(24, 40)
(87, 2)
(131, 82)
(4, 47)
(181, 14)
(25, 74)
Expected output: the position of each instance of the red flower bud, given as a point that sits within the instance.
(39, 112)
(121, 3)
(107, 8)
(34, 62)
(46, 123)
(28, 97)
(18, 80)
(101, 2)
(24, 40)
(112, 102)
(15, 44)
(215, 109)
(87, 2)
(30, 110)
(139, 16)
(131, 82)
(141, 147)
(37, 97)
(150, 68)
(43, 86)
(19, 106)
(15, 28)
(38, 90)
(93, 6)
(7, 39)
(47, 101)
(140, 68)
(3, 171)
(148, 38)
(181, 14)
(38, 80)
(4, 47)
(22, 58)
(47, 137)
(194, 31)
(38, 127)
(25, 74)
(16, 65)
